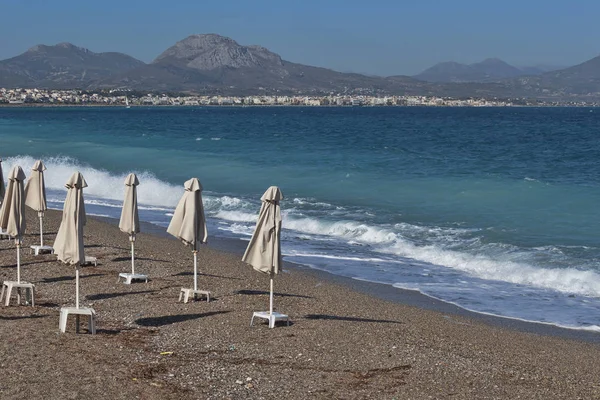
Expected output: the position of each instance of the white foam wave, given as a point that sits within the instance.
(568, 280)
(385, 240)
(343, 258)
(437, 231)
(101, 183)
(149, 208)
(350, 230)
(98, 215)
(311, 202)
(216, 203)
(101, 203)
(239, 229)
(104, 187)
(236, 216)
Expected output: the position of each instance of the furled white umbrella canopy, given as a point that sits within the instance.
(264, 250)
(188, 223)
(130, 221)
(68, 245)
(12, 213)
(35, 194)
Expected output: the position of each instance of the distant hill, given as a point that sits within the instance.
(215, 63)
(62, 66)
(539, 69)
(489, 70)
(579, 80)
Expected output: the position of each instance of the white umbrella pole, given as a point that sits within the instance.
(271, 297)
(272, 263)
(18, 261)
(77, 287)
(132, 239)
(195, 269)
(41, 215)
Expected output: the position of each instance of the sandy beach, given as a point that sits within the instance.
(345, 341)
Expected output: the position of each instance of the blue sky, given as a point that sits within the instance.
(374, 37)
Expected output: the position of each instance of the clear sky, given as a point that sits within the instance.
(380, 37)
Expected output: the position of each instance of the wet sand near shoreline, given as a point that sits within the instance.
(348, 339)
(394, 294)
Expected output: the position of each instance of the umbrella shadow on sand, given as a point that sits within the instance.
(173, 319)
(17, 317)
(67, 278)
(49, 260)
(102, 296)
(258, 292)
(118, 259)
(189, 273)
(47, 304)
(108, 331)
(37, 234)
(23, 264)
(349, 319)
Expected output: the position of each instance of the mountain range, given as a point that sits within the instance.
(214, 64)
(62, 66)
(488, 70)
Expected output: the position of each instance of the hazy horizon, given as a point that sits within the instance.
(383, 39)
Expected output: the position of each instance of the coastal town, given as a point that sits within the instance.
(128, 98)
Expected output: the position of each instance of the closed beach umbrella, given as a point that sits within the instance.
(188, 223)
(35, 194)
(2, 188)
(12, 213)
(130, 221)
(68, 244)
(264, 249)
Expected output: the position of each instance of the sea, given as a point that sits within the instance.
(495, 210)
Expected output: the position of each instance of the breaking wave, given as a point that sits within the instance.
(105, 189)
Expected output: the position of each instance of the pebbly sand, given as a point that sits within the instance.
(345, 340)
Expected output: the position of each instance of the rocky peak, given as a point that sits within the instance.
(492, 61)
(71, 46)
(211, 51)
(42, 48)
(36, 48)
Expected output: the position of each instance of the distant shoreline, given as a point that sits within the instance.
(38, 105)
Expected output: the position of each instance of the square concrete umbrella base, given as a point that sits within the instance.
(89, 260)
(37, 249)
(9, 285)
(65, 311)
(128, 278)
(271, 317)
(185, 294)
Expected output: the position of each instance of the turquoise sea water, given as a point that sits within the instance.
(494, 209)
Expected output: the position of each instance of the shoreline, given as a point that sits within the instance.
(413, 298)
(43, 105)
